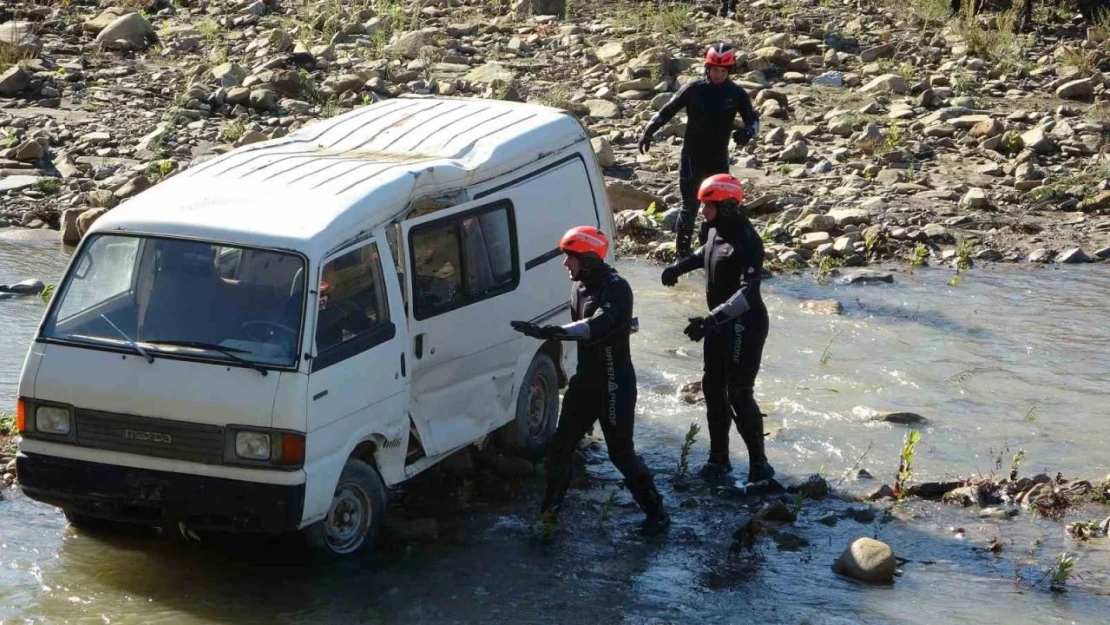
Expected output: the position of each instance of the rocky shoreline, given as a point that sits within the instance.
(889, 134)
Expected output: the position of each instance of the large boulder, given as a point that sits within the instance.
(18, 38)
(13, 81)
(409, 44)
(549, 7)
(886, 83)
(603, 109)
(71, 234)
(604, 151)
(102, 21)
(623, 196)
(86, 219)
(491, 74)
(1076, 90)
(127, 32)
(867, 560)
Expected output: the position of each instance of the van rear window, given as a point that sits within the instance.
(463, 259)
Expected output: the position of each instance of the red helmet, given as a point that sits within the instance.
(585, 240)
(720, 55)
(721, 187)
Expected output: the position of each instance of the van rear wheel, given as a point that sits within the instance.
(537, 410)
(357, 513)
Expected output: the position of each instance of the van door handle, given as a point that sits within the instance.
(418, 345)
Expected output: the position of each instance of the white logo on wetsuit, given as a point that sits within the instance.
(610, 370)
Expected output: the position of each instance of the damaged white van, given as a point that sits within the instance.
(270, 339)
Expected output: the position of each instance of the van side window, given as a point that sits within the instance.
(353, 311)
(463, 259)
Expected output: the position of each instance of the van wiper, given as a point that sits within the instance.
(230, 352)
(138, 349)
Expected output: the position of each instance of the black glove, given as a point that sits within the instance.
(527, 329)
(742, 135)
(645, 139)
(671, 274)
(545, 333)
(696, 329)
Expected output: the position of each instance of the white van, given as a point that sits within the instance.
(268, 340)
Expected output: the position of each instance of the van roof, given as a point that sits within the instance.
(317, 187)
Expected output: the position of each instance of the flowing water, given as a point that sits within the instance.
(1012, 358)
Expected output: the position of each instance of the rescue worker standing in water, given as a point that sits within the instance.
(711, 104)
(603, 387)
(735, 329)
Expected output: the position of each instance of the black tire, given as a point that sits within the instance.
(537, 411)
(356, 515)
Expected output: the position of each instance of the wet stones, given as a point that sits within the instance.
(867, 560)
(965, 496)
(777, 512)
(814, 487)
(932, 490)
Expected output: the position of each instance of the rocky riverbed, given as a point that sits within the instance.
(890, 131)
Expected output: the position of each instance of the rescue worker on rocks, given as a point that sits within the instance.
(711, 104)
(603, 387)
(735, 328)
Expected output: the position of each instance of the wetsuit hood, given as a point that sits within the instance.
(592, 269)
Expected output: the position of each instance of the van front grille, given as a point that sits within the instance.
(146, 436)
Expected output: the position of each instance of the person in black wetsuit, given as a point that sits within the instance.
(603, 387)
(711, 104)
(735, 328)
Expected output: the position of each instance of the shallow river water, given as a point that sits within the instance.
(1012, 358)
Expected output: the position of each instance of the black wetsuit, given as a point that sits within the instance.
(602, 389)
(733, 260)
(711, 111)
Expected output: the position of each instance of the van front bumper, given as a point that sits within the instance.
(148, 497)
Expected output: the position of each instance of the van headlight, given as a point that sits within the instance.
(263, 447)
(53, 420)
(252, 445)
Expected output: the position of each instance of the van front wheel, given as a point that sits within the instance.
(357, 512)
(537, 410)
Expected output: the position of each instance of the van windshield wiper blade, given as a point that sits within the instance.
(138, 348)
(230, 352)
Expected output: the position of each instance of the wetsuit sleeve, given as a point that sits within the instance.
(747, 111)
(677, 102)
(691, 262)
(750, 268)
(614, 310)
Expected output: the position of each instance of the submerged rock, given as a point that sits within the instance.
(822, 307)
(26, 287)
(867, 560)
(814, 487)
(864, 276)
(897, 417)
(777, 512)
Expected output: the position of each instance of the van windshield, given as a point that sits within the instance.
(187, 298)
